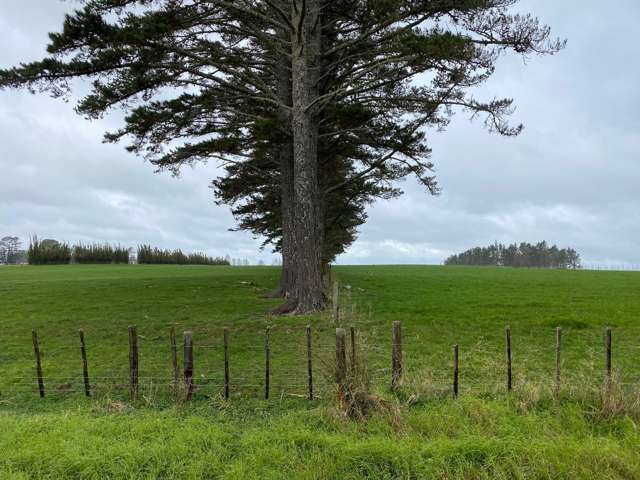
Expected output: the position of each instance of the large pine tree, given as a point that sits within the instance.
(314, 106)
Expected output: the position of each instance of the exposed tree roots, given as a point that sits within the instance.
(293, 307)
(286, 308)
(279, 292)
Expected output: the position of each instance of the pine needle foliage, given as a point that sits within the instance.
(154, 255)
(100, 254)
(48, 252)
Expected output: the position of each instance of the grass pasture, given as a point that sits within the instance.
(484, 434)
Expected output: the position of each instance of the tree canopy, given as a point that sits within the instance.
(315, 107)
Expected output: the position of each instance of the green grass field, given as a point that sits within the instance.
(418, 432)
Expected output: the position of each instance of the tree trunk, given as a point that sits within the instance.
(307, 211)
(285, 288)
(287, 277)
(284, 153)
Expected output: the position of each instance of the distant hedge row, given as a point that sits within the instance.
(52, 252)
(100, 254)
(157, 256)
(48, 252)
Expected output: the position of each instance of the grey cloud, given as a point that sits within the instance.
(571, 178)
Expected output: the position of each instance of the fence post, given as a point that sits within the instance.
(267, 366)
(507, 331)
(226, 363)
(188, 364)
(309, 363)
(336, 302)
(609, 379)
(396, 355)
(85, 365)
(353, 351)
(558, 359)
(455, 371)
(133, 361)
(174, 359)
(36, 351)
(341, 359)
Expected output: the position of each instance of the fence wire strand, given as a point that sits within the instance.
(427, 364)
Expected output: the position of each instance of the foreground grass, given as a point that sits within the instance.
(423, 434)
(469, 439)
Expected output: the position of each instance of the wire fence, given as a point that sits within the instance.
(612, 267)
(304, 362)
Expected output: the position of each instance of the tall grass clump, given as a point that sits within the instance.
(153, 255)
(100, 254)
(48, 252)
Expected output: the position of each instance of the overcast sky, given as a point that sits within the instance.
(572, 177)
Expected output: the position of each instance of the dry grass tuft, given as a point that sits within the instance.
(114, 406)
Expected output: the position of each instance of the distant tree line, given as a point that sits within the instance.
(95, 254)
(53, 252)
(48, 252)
(149, 255)
(540, 255)
(11, 252)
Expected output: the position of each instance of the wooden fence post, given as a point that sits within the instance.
(133, 361)
(353, 351)
(608, 339)
(226, 363)
(36, 351)
(341, 359)
(267, 365)
(396, 355)
(455, 371)
(309, 363)
(336, 302)
(188, 364)
(85, 365)
(558, 359)
(174, 359)
(507, 331)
